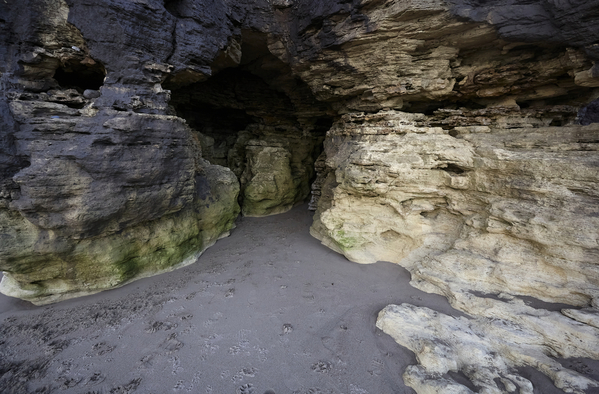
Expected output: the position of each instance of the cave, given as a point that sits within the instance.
(262, 123)
(81, 77)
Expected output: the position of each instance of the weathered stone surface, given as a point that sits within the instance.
(103, 202)
(488, 349)
(277, 174)
(471, 187)
(472, 210)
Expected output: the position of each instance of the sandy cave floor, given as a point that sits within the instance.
(268, 308)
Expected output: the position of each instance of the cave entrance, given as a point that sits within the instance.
(80, 76)
(261, 122)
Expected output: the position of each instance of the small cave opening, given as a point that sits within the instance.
(589, 113)
(261, 122)
(80, 77)
(452, 168)
(172, 7)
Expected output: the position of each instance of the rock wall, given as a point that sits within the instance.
(101, 187)
(464, 156)
(461, 143)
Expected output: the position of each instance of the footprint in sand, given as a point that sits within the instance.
(102, 348)
(376, 367)
(159, 325)
(321, 367)
(172, 344)
(287, 328)
(95, 379)
(245, 389)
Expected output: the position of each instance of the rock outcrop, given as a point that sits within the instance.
(101, 187)
(461, 143)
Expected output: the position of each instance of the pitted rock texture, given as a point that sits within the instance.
(484, 195)
(483, 348)
(461, 142)
(474, 211)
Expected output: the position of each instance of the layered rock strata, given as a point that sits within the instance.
(461, 143)
(102, 186)
(461, 166)
(472, 214)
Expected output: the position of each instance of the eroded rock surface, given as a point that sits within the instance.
(460, 165)
(102, 186)
(489, 348)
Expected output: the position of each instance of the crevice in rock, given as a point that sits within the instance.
(530, 301)
(543, 384)
(452, 168)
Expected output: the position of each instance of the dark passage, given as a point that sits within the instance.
(257, 118)
(80, 77)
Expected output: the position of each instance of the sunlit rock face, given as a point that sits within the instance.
(460, 141)
(456, 155)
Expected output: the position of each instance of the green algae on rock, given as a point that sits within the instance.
(94, 264)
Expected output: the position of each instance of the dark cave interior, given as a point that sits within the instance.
(257, 103)
(74, 75)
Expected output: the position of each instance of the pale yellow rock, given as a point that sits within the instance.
(588, 78)
(498, 338)
(506, 207)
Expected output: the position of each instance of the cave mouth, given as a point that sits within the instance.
(81, 77)
(261, 122)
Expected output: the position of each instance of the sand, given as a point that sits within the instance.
(268, 308)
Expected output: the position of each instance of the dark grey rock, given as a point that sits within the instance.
(90, 94)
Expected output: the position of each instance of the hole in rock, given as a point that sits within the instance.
(523, 104)
(462, 379)
(430, 214)
(452, 168)
(259, 120)
(80, 77)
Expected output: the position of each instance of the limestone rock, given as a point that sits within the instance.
(482, 348)
(269, 186)
(469, 207)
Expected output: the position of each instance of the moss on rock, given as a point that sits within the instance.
(91, 265)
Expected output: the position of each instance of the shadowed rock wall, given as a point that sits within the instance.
(461, 142)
